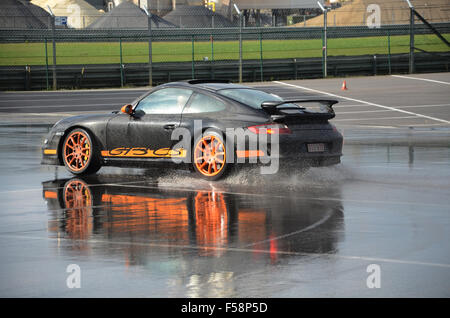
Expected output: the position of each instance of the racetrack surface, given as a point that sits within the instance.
(314, 233)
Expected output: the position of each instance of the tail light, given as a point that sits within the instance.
(270, 129)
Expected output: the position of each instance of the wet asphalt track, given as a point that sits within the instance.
(146, 233)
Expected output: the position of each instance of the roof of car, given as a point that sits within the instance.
(212, 85)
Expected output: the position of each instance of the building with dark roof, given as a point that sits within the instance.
(98, 4)
(128, 16)
(16, 14)
(197, 17)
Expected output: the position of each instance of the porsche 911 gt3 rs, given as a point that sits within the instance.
(143, 132)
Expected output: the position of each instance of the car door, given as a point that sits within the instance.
(149, 130)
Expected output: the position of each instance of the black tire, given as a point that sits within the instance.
(80, 153)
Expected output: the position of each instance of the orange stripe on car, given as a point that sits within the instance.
(249, 153)
(50, 195)
(50, 152)
(144, 153)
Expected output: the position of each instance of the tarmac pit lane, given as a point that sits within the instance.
(139, 233)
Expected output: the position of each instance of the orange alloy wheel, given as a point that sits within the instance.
(77, 195)
(77, 151)
(209, 156)
(78, 202)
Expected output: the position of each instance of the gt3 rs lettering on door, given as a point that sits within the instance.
(145, 153)
(148, 132)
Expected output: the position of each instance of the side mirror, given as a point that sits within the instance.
(127, 109)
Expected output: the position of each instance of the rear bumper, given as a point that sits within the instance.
(319, 161)
(296, 145)
(293, 148)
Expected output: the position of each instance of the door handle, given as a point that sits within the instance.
(169, 127)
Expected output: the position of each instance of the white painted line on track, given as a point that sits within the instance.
(90, 185)
(417, 125)
(131, 185)
(59, 99)
(433, 105)
(374, 118)
(65, 94)
(341, 105)
(62, 105)
(421, 79)
(310, 227)
(364, 102)
(84, 90)
(231, 249)
(283, 196)
(40, 114)
(367, 126)
(364, 111)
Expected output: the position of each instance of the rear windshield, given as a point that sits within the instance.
(250, 97)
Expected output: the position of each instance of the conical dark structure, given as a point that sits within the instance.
(197, 17)
(16, 14)
(98, 4)
(127, 15)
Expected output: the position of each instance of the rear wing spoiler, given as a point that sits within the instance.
(326, 106)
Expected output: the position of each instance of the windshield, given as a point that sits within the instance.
(250, 97)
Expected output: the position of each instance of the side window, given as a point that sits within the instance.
(204, 104)
(165, 101)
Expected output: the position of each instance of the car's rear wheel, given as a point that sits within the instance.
(209, 156)
(79, 153)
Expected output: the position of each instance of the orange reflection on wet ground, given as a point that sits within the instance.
(251, 226)
(200, 218)
(207, 222)
(132, 213)
(78, 202)
(211, 218)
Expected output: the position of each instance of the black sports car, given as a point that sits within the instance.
(205, 125)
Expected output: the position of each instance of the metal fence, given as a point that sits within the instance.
(86, 50)
(112, 75)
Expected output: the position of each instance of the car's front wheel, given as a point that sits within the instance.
(209, 156)
(79, 153)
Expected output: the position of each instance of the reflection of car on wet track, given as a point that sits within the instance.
(143, 133)
(210, 221)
